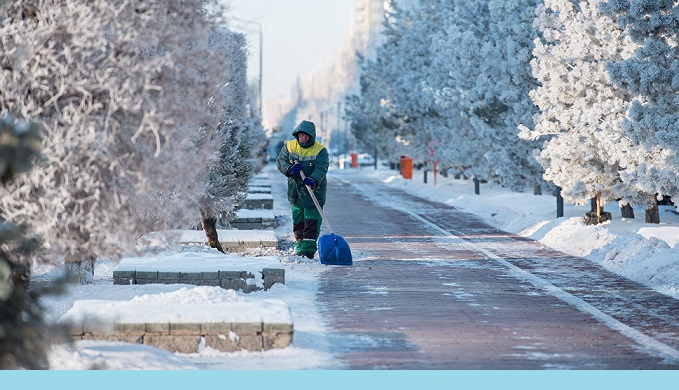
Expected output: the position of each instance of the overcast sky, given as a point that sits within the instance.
(299, 36)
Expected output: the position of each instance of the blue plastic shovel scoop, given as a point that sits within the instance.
(332, 249)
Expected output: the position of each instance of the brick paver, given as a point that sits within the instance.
(415, 299)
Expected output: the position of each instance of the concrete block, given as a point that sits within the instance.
(215, 328)
(123, 281)
(231, 274)
(167, 281)
(158, 327)
(134, 339)
(222, 342)
(276, 340)
(256, 204)
(272, 276)
(246, 225)
(209, 275)
(181, 344)
(124, 274)
(208, 282)
(252, 244)
(251, 342)
(247, 328)
(268, 244)
(277, 328)
(232, 246)
(189, 277)
(233, 284)
(130, 329)
(283, 340)
(274, 273)
(146, 275)
(145, 281)
(168, 275)
(249, 288)
(98, 326)
(185, 328)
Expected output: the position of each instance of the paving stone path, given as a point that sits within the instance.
(433, 287)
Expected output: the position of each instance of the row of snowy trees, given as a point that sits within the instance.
(581, 95)
(144, 110)
(138, 121)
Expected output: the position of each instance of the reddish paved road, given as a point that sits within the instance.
(417, 298)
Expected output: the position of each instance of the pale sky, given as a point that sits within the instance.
(299, 36)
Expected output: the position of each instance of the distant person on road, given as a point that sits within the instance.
(305, 154)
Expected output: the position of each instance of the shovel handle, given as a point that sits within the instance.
(318, 207)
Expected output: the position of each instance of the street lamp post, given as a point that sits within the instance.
(259, 31)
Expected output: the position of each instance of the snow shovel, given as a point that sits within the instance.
(332, 249)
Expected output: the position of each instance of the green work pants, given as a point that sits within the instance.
(306, 225)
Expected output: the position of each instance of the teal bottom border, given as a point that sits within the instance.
(344, 380)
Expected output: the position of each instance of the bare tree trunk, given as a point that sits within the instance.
(599, 209)
(597, 215)
(652, 214)
(210, 229)
(537, 189)
(627, 211)
(79, 265)
(20, 275)
(82, 271)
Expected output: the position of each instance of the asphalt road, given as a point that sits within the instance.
(433, 287)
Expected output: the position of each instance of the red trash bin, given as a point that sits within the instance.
(354, 160)
(406, 164)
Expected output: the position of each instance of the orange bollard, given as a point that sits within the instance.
(406, 167)
(354, 160)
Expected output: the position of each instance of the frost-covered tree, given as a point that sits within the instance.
(370, 113)
(485, 49)
(122, 98)
(458, 48)
(651, 75)
(409, 52)
(394, 109)
(24, 334)
(581, 111)
(87, 86)
(229, 173)
(364, 116)
(505, 82)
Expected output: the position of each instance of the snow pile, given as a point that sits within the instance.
(198, 262)
(202, 304)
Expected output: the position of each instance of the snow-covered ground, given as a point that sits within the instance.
(640, 251)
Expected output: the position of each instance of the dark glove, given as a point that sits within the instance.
(295, 169)
(309, 182)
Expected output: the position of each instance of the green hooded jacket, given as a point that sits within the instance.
(315, 161)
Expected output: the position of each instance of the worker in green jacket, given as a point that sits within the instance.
(305, 154)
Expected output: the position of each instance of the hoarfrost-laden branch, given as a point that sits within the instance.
(120, 111)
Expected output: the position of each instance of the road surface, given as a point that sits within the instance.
(433, 287)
